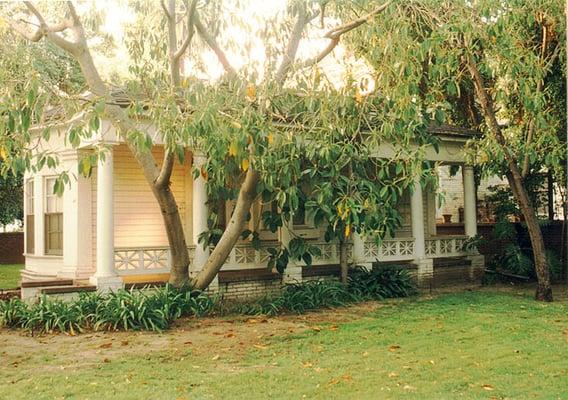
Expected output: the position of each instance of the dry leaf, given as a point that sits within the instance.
(215, 358)
(261, 346)
(188, 342)
(333, 328)
(307, 364)
(487, 387)
(124, 343)
(394, 348)
(316, 328)
(229, 335)
(106, 345)
(393, 375)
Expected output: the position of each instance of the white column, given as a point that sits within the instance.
(39, 223)
(105, 277)
(417, 217)
(77, 242)
(199, 220)
(425, 265)
(469, 208)
(359, 252)
(293, 271)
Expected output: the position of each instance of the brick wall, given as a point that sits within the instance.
(11, 247)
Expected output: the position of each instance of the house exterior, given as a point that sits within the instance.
(106, 231)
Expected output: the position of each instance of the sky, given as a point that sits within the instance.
(118, 15)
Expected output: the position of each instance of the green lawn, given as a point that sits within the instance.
(10, 275)
(487, 344)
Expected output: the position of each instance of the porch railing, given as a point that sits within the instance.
(155, 260)
(445, 246)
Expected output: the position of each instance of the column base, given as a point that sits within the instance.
(75, 272)
(367, 266)
(107, 284)
(292, 274)
(425, 272)
(477, 268)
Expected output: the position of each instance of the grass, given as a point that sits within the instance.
(485, 344)
(10, 275)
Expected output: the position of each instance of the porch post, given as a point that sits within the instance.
(199, 218)
(77, 236)
(293, 271)
(105, 277)
(469, 207)
(470, 223)
(425, 265)
(359, 252)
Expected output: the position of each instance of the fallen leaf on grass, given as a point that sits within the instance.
(229, 335)
(260, 346)
(333, 328)
(215, 358)
(393, 375)
(408, 387)
(307, 364)
(188, 342)
(106, 345)
(124, 343)
(487, 387)
(394, 348)
(316, 328)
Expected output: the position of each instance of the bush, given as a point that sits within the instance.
(154, 309)
(150, 309)
(377, 284)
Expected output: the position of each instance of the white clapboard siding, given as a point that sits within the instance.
(137, 218)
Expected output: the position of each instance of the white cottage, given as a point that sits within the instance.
(106, 231)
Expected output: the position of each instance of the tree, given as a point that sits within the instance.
(263, 138)
(494, 58)
(11, 198)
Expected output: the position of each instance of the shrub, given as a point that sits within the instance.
(381, 283)
(377, 284)
(149, 309)
(154, 309)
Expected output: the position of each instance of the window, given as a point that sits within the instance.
(29, 220)
(53, 219)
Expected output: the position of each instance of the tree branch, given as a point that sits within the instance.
(165, 9)
(293, 43)
(163, 178)
(212, 43)
(189, 36)
(340, 30)
(335, 35)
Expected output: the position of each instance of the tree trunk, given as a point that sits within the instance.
(343, 266)
(232, 232)
(543, 290)
(179, 272)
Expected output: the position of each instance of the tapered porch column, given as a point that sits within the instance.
(293, 271)
(105, 277)
(469, 207)
(477, 260)
(425, 265)
(359, 252)
(199, 218)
